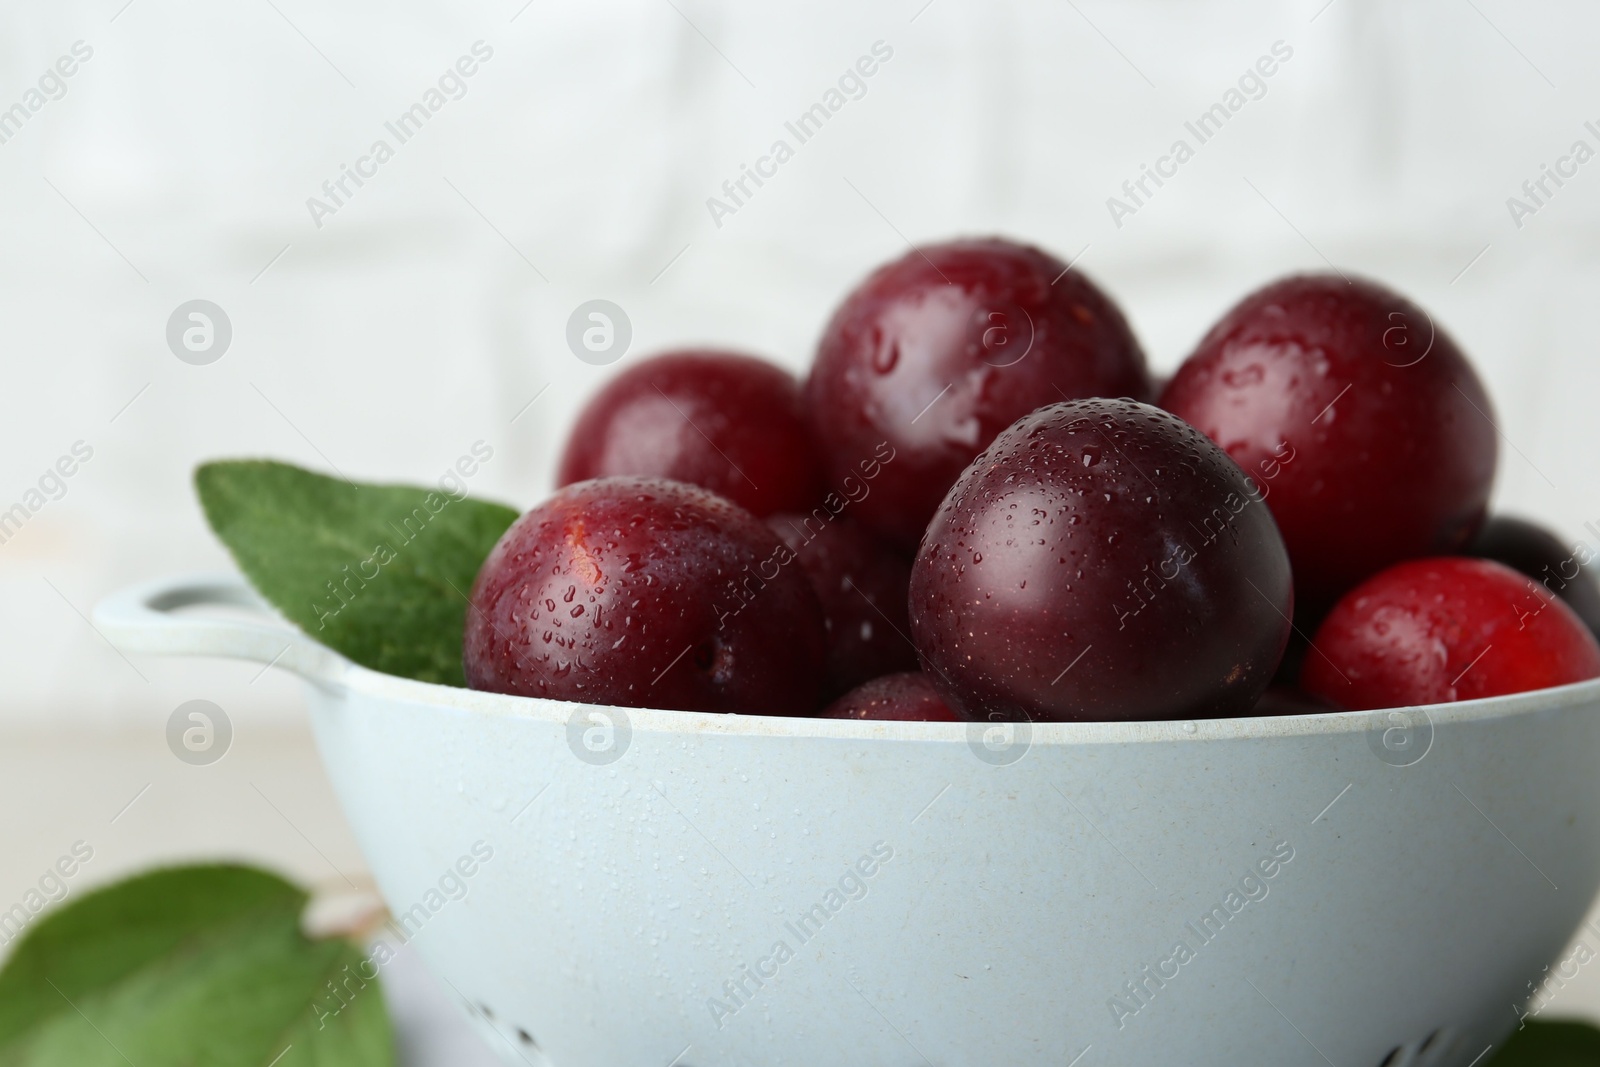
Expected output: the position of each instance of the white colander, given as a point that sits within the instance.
(697, 890)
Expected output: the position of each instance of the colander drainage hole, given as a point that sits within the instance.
(522, 1035)
(1414, 1054)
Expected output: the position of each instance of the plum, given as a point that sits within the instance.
(1538, 553)
(642, 592)
(1433, 631)
(724, 421)
(937, 352)
(862, 586)
(1367, 429)
(1101, 560)
(904, 697)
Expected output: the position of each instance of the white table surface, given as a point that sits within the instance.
(266, 802)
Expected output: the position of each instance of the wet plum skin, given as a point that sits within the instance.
(959, 315)
(724, 421)
(1101, 561)
(902, 697)
(642, 592)
(1438, 630)
(862, 586)
(1376, 430)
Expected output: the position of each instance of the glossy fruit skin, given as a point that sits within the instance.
(862, 586)
(1433, 631)
(726, 422)
(641, 592)
(1363, 422)
(1101, 561)
(904, 697)
(1539, 554)
(982, 319)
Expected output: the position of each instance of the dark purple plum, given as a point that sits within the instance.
(1101, 561)
(642, 592)
(862, 586)
(1370, 432)
(726, 422)
(940, 350)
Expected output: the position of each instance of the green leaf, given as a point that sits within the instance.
(189, 966)
(1555, 1044)
(379, 573)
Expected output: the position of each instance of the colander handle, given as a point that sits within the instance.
(145, 619)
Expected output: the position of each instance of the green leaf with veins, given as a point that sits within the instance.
(378, 573)
(189, 966)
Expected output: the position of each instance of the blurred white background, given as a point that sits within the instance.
(431, 307)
